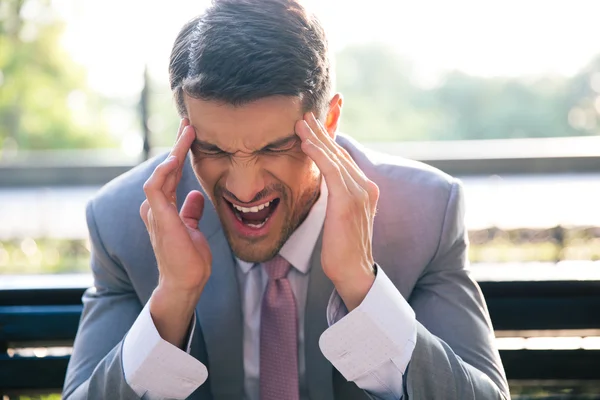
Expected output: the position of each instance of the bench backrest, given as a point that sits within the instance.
(34, 318)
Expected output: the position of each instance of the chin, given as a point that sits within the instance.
(256, 249)
(253, 254)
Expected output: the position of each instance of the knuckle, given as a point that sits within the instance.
(373, 189)
(344, 152)
(161, 168)
(334, 167)
(148, 185)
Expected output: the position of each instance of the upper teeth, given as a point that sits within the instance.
(251, 209)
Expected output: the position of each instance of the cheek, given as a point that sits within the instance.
(297, 173)
(208, 171)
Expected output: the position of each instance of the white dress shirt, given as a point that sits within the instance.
(371, 346)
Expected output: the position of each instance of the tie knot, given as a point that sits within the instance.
(277, 268)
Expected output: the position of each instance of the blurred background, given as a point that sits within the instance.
(503, 94)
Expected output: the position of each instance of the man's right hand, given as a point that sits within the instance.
(182, 252)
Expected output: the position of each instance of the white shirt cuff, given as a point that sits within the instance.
(373, 344)
(155, 368)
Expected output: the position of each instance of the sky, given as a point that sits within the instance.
(115, 38)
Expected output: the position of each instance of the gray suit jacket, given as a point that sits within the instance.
(419, 240)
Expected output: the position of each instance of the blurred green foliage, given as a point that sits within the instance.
(44, 103)
(43, 255)
(52, 256)
(384, 101)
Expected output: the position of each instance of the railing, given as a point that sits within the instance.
(459, 158)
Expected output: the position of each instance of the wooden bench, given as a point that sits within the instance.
(33, 318)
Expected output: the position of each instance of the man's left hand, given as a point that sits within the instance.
(347, 256)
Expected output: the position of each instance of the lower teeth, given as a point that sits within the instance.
(259, 225)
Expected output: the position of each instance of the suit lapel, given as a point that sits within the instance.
(220, 318)
(318, 368)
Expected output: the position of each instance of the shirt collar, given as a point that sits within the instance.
(299, 247)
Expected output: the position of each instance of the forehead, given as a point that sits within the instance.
(245, 127)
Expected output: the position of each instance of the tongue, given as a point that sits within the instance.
(256, 217)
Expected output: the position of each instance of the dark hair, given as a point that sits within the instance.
(239, 51)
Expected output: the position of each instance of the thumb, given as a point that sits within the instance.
(192, 209)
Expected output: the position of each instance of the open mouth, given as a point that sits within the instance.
(254, 217)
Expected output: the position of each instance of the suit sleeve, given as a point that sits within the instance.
(455, 356)
(367, 346)
(109, 309)
(111, 313)
(447, 352)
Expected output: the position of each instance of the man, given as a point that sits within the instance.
(285, 284)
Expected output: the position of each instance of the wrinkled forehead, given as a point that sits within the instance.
(245, 127)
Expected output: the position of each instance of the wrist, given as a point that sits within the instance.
(354, 290)
(172, 313)
(172, 300)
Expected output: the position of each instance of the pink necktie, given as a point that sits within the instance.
(278, 335)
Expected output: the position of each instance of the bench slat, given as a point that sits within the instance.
(16, 373)
(551, 364)
(47, 315)
(29, 374)
(544, 314)
(39, 323)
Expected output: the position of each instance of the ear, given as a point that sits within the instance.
(332, 120)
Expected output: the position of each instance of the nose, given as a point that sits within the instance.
(244, 181)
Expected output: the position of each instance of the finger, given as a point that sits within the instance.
(352, 178)
(321, 132)
(361, 184)
(172, 180)
(154, 185)
(192, 209)
(182, 146)
(371, 187)
(144, 208)
(330, 169)
(322, 137)
(182, 124)
(351, 165)
(183, 141)
(307, 133)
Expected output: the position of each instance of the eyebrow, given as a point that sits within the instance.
(278, 143)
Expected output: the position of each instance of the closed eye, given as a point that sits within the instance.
(274, 150)
(289, 145)
(212, 152)
(207, 149)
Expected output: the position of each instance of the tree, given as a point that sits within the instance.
(381, 101)
(43, 100)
